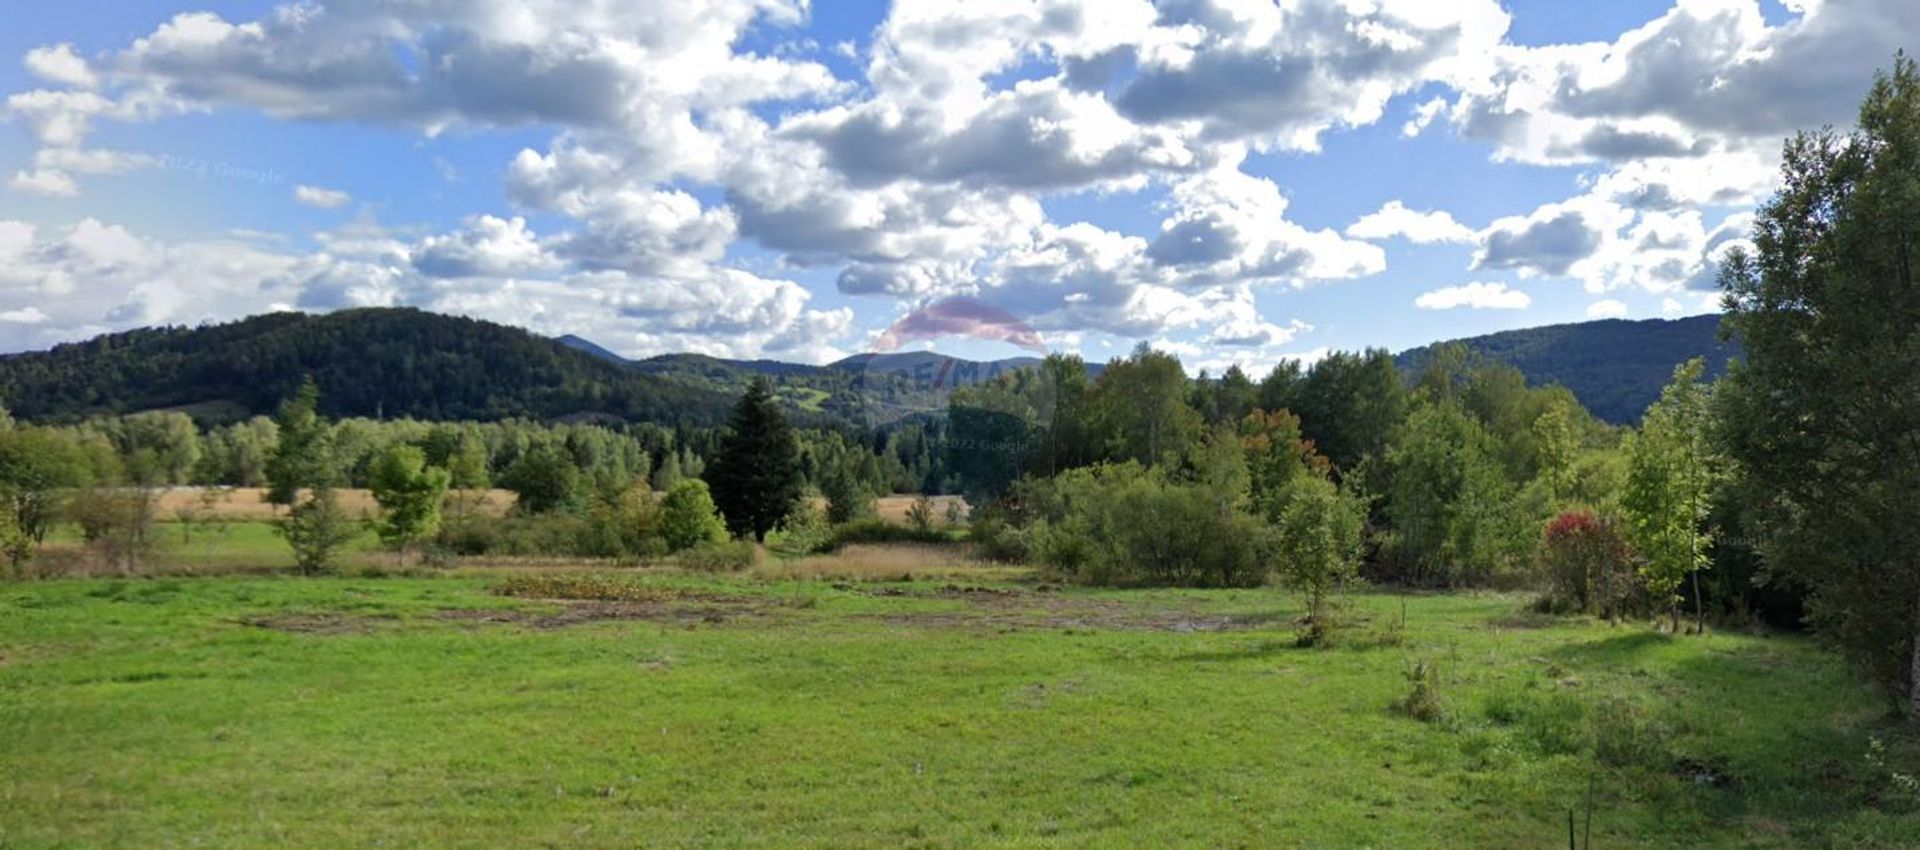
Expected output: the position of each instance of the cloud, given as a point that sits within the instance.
(95, 277)
(1549, 241)
(1393, 219)
(23, 316)
(1607, 308)
(45, 182)
(58, 63)
(485, 246)
(1479, 296)
(1280, 75)
(319, 198)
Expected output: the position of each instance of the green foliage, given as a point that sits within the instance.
(1139, 407)
(1822, 418)
(1455, 516)
(16, 545)
(1614, 367)
(303, 457)
(410, 494)
(848, 497)
(1423, 701)
(1350, 405)
(688, 517)
(1670, 478)
(318, 530)
(1130, 524)
(920, 514)
(876, 530)
(393, 362)
(756, 477)
(37, 469)
(1319, 540)
(544, 480)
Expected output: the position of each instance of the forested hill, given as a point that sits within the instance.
(1615, 367)
(388, 361)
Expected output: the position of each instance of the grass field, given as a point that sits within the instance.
(675, 710)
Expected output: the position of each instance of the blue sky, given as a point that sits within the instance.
(1228, 179)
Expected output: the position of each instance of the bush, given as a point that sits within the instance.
(805, 531)
(730, 556)
(1422, 701)
(996, 539)
(920, 513)
(688, 517)
(1129, 524)
(880, 531)
(1585, 565)
(318, 529)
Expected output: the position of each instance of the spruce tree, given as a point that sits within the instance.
(756, 478)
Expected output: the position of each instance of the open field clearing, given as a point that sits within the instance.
(250, 504)
(616, 709)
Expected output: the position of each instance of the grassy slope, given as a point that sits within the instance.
(149, 713)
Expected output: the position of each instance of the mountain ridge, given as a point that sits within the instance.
(409, 362)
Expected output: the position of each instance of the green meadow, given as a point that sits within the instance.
(625, 708)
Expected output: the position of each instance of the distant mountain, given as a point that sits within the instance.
(1614, 366)
(930, 365)
(404, 362)
(392, 362)
(587, 346)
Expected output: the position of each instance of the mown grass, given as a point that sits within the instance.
(727, 711)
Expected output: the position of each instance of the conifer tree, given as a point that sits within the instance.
(756, 478)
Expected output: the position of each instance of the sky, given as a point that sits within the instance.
(1234, 181)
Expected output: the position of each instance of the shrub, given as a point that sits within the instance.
(1319, 540)
(1422, 701)
(996, 539)
(730, 556)
(806, 530)
(880, 531)
(688, 517)
(317, 529)
(1129, 524)
(1585, 565)
(920, 514)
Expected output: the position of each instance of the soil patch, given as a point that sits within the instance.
(315, 623)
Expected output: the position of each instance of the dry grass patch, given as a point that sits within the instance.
(250, 503)
(890, 562)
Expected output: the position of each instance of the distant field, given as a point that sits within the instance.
(249, 503)
(696, 711)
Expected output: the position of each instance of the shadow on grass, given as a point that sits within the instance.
(1242, 652)
(1616, 649)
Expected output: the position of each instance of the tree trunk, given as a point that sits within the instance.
(1699, 615)
(1913, 674)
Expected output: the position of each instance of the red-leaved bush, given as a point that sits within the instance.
(1586, 564)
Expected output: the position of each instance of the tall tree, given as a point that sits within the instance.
(1349, 405)
(1670, 475)
(1823, 413)
(756, 478)
(544, 479)
(1141, 410)
(303, 458)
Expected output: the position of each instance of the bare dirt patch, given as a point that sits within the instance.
(689, 611)
(315, 623)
